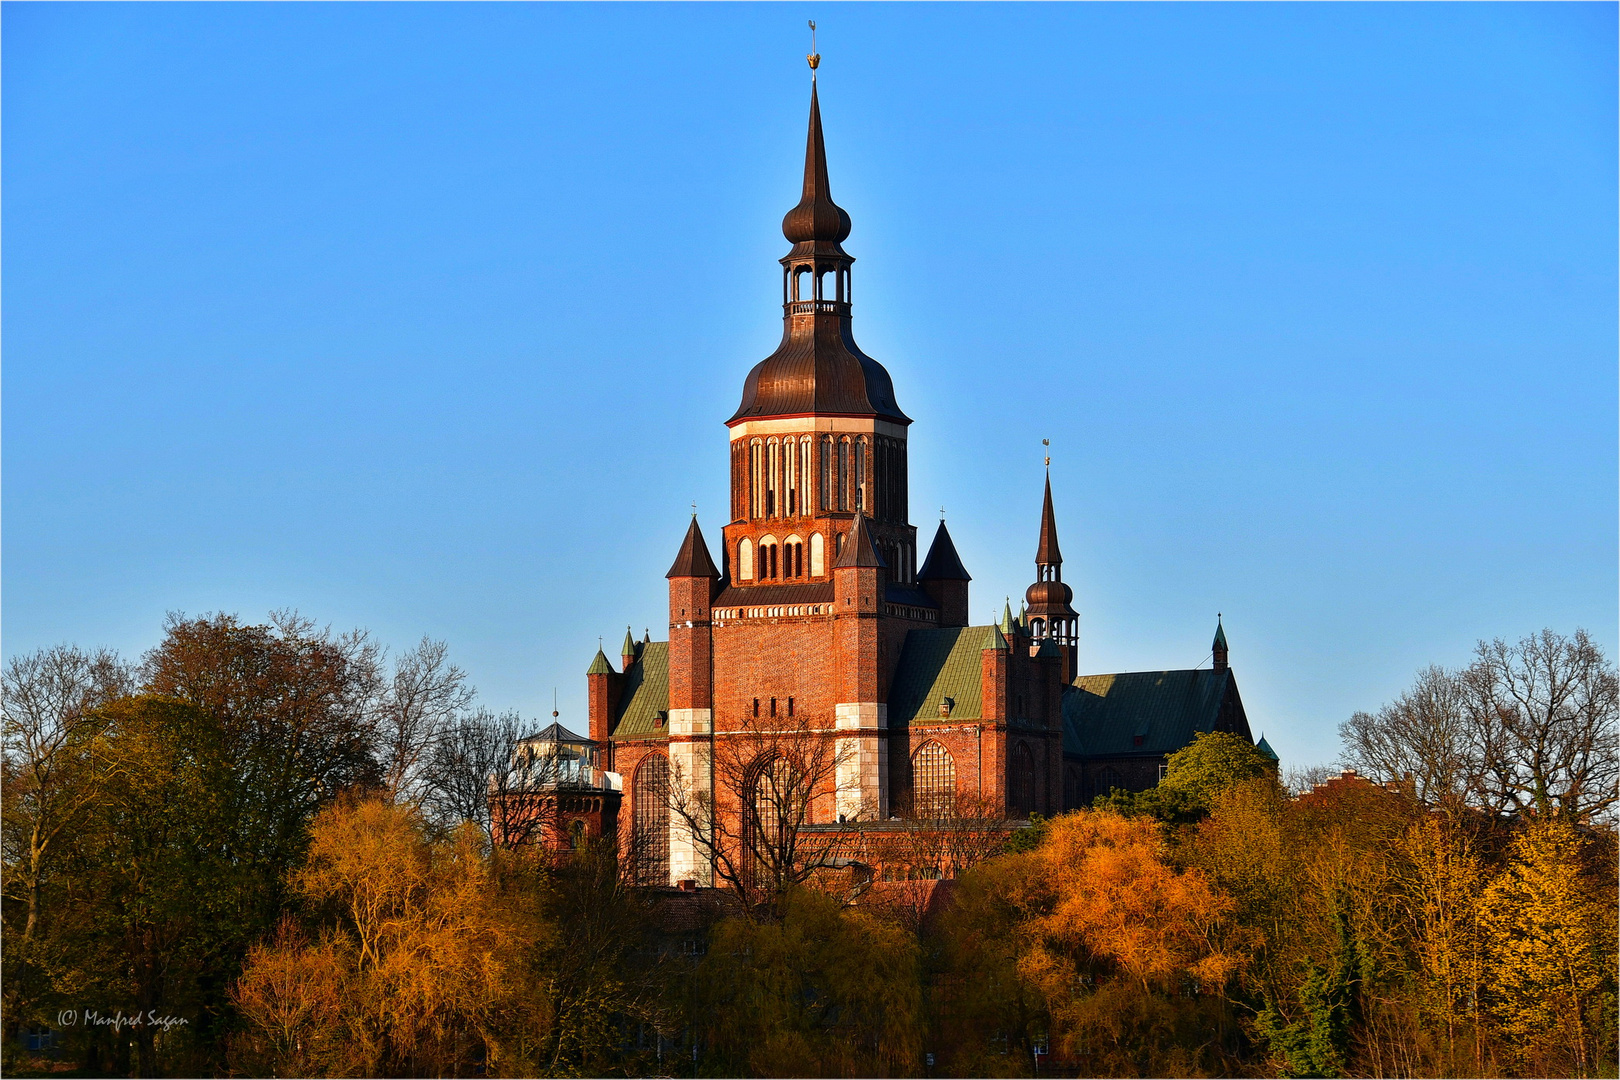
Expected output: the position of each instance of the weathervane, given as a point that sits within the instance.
(814, 57)
(1047, 443)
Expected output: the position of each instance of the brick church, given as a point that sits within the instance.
(814, 612)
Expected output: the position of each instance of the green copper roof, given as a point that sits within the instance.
(1006, 617)
(1220, 634)
(629, 646)
(1103, 714)
(646, 696)
(935, 665)
(600, 665)
(993, 639)
(1265, 748)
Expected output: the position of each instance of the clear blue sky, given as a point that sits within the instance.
(426, 318)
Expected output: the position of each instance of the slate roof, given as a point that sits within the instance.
(936, 664)
(646, 695)
(693, 558)
(555, 733)
(859, 550)
(943, 563)
(1103, 714)
(820, 592)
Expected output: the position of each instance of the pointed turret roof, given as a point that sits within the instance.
(1265, 748)
(629, 646)
(943, 564)
(1006, 616)
(600, 665)
(818, 368)
(817, 218)
(859, 549)
(693, 559)
(1220, 634)
(1047, 554)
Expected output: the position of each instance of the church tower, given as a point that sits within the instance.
(1052, 619)
(818, 437)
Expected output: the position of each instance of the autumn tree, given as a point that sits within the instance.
(1551, 949)
(1127, 955)
(415, 968)
(821, 991)
(48, 702)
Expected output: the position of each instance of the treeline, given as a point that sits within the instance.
(277, 836)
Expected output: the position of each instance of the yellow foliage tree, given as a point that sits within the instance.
(419, 971)
(1551, 946)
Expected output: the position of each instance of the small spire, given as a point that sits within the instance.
(943, 563)
(1006, 616)
(628, 649)
(859, 549)
(1219, 651)
(1047, 554)
(693, 559)
(599, 664)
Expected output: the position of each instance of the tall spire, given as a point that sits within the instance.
(1047, 554)
(817, 220)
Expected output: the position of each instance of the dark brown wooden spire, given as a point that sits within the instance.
(693, 560)
(817, 219)
(1047, 554)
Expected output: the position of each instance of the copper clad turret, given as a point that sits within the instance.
(817, 369)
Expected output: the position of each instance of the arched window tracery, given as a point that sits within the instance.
(649, 795)
(1021, 786)
(933, 781)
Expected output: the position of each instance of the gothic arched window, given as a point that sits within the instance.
(843, 474)
(649, 796)
(775, 803)
(933, 781)
(818, 555)
(1021, 786)
(745, 559)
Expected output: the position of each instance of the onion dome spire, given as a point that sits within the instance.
(817, 369)
(817, 220)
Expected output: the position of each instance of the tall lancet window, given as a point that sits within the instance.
(843, 473)
(790, 473)
(804, 474)
(827, 473)
(756, 480)
(773, 485)
(861, 501)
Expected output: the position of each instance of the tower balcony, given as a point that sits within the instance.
(817, 307)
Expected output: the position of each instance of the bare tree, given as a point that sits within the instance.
(419, 706)
(469, 768)
(1424, 734)
(944, 841)
(770, 781)
(1544, 717)
(48, 701)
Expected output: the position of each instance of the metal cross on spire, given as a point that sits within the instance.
(814, 57)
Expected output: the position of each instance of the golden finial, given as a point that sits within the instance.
(814, 57)
(1047, 442)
